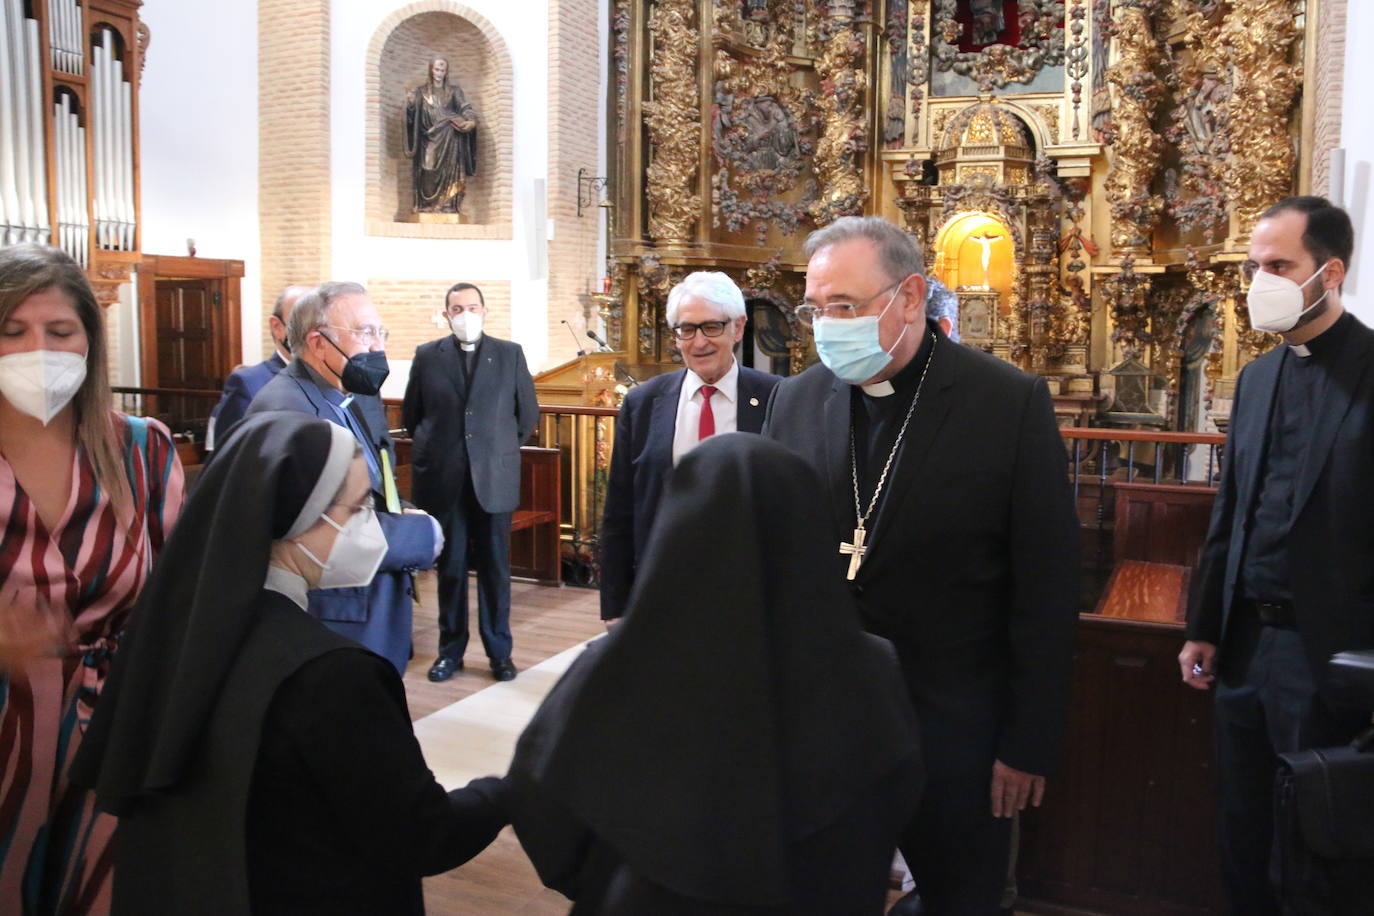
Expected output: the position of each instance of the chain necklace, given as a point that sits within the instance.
(856, 550)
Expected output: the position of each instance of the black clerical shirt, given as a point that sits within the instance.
(1301, 387)
(877, 420)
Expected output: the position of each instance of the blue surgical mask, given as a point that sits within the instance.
(850, 347)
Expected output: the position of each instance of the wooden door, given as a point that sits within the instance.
(189, 326)
(188, 319)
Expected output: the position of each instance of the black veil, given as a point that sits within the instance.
(271, 480)
(737, 709)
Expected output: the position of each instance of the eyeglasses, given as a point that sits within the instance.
(709, 328)
(809, 313)
(353, 509)
(455, 310)
(368, 335)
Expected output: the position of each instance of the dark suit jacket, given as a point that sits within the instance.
(240, 388)
(972, 566)
(642, 463)
(377, 616)
(1331, 542)
(460, 430)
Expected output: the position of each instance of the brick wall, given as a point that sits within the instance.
(575, 67)
(398, 61)
(1327, 86)
(293, 146)
(408, 307)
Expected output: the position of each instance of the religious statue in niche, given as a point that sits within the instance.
(441, 141)
(988, 19)
(770, 141)
(996, 42)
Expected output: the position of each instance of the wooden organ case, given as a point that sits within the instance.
(69, 152)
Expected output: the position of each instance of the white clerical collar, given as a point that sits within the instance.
(284, 582)
(1300, 350)
(468, 347)
(727, 385)
(879, 389)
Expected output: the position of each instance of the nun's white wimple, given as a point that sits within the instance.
(342, 448)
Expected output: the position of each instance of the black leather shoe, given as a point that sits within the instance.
(503, 669)
(444, 668)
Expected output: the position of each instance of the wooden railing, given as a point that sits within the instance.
(186, 411)
(583, 436)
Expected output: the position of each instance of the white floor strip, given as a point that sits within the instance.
(476, 736)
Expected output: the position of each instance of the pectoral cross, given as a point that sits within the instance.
(854, 551)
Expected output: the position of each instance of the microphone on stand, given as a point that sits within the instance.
(576, 343)
(596, 337)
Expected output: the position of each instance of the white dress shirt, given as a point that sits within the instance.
(724, 407)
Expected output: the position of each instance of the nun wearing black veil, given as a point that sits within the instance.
(259, 762)
(738, 745)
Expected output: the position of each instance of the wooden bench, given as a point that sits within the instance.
(534, 539)
(1128, 826)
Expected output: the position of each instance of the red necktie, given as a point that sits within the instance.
(707, 426)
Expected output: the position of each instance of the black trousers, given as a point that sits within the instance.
(478, 539)
(956, 850)
(1266, 704)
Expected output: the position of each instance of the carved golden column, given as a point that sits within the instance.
(673, 120)
(1136, 148)
(845, 83)
(1258, 36)
(1127, 296)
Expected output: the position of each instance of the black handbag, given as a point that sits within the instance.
(1324, 821)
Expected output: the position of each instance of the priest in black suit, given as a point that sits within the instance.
(470, 405)
(953, 524)
(1287, 572)
(665, 417)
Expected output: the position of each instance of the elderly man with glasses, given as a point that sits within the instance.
(336, 372)
(665, 417)
(956, 534)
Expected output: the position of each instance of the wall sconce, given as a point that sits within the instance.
(592, 184)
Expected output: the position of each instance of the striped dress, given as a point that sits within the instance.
(54, 849)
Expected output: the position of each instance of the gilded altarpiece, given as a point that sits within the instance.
(1083, 173)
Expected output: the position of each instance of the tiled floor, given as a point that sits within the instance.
(467, 727)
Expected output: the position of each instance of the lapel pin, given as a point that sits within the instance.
(753, 402)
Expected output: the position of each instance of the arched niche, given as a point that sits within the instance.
(959, 254)
(398, 61)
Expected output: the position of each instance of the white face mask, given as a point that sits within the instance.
(467, 326)
(357, 553)
(41, 382)
(1276, 303)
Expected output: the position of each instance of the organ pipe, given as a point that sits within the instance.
(23, 169)
(37, 157)
(9, 185)
(43, 138)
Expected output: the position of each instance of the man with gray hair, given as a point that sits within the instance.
(956, 532)
(665, 417)
(245, 382)
(339, 364)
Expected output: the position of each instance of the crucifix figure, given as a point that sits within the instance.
(854, 551)
(986, 240)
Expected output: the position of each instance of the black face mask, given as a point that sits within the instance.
(364, 372)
